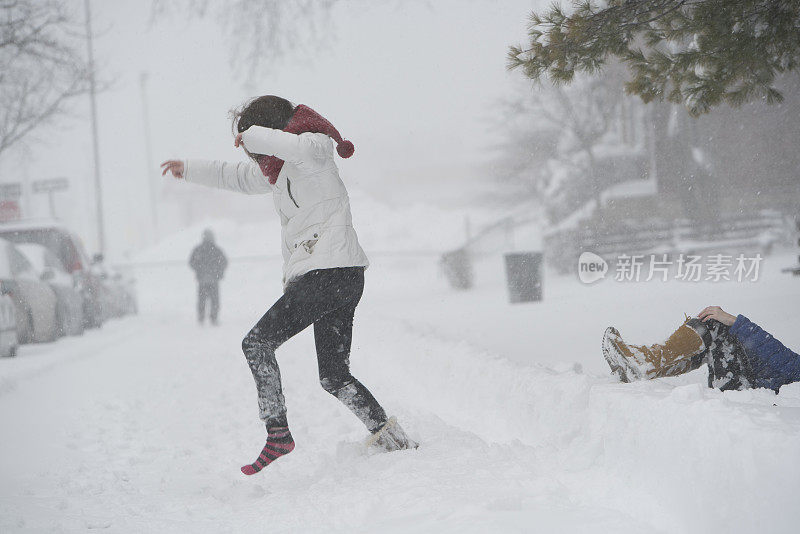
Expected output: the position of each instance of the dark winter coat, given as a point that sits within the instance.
(208, 262)
(773, 363)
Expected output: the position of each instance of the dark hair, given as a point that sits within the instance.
(269, 111)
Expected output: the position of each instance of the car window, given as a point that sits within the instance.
(19, 263)
(51, 262)
(80, 251)
(33, 254)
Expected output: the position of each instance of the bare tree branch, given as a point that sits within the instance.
(41, 66)
(263, 33)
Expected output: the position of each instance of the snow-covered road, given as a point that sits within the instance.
(142, 426)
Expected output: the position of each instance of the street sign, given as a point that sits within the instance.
(10, 191)
(51, 184)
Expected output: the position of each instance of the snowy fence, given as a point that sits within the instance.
(750, 232)
(741, 233)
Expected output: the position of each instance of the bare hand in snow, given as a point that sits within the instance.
(174, 166)
(715, 312)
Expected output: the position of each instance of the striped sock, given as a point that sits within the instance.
(279, 442)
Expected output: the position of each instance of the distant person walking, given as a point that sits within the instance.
(208, 263)
(291, 151)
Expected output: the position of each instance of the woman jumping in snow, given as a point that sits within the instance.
(291, 149)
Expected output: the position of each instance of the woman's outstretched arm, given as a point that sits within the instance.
(242, 177)
(295, 148)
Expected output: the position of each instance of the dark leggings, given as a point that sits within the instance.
(728, 364)
(326, 298)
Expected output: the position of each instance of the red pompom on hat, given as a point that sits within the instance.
(305, 120)
(345, 148)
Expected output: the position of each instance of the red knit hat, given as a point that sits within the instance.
(305, 120)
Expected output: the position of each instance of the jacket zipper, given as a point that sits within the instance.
(289, 189)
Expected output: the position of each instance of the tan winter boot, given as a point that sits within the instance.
(679, 354)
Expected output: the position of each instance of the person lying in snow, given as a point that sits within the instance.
(291, 149)
(738, 352)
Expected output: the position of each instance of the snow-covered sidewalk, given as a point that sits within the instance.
(142, 426)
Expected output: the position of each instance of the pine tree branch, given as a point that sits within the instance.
(692, 52)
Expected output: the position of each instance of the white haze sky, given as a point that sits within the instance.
(412, 84)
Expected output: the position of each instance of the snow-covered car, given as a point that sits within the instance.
(68, 248)
(70, 306)
(128, 303)
(8, 317)
(119, 292)
(107, 294)
(8, 326)
(34, 300)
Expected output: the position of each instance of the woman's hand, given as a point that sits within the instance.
(175, 166)
(715, 312)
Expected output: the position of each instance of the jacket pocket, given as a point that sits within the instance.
(309, 244)
(308, 241)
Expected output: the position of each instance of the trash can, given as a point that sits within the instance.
(524, 276)
(458, 268)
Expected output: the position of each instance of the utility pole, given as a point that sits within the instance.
(149, 154)
(98, 186)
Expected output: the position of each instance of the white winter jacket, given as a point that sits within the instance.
(310, 198)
